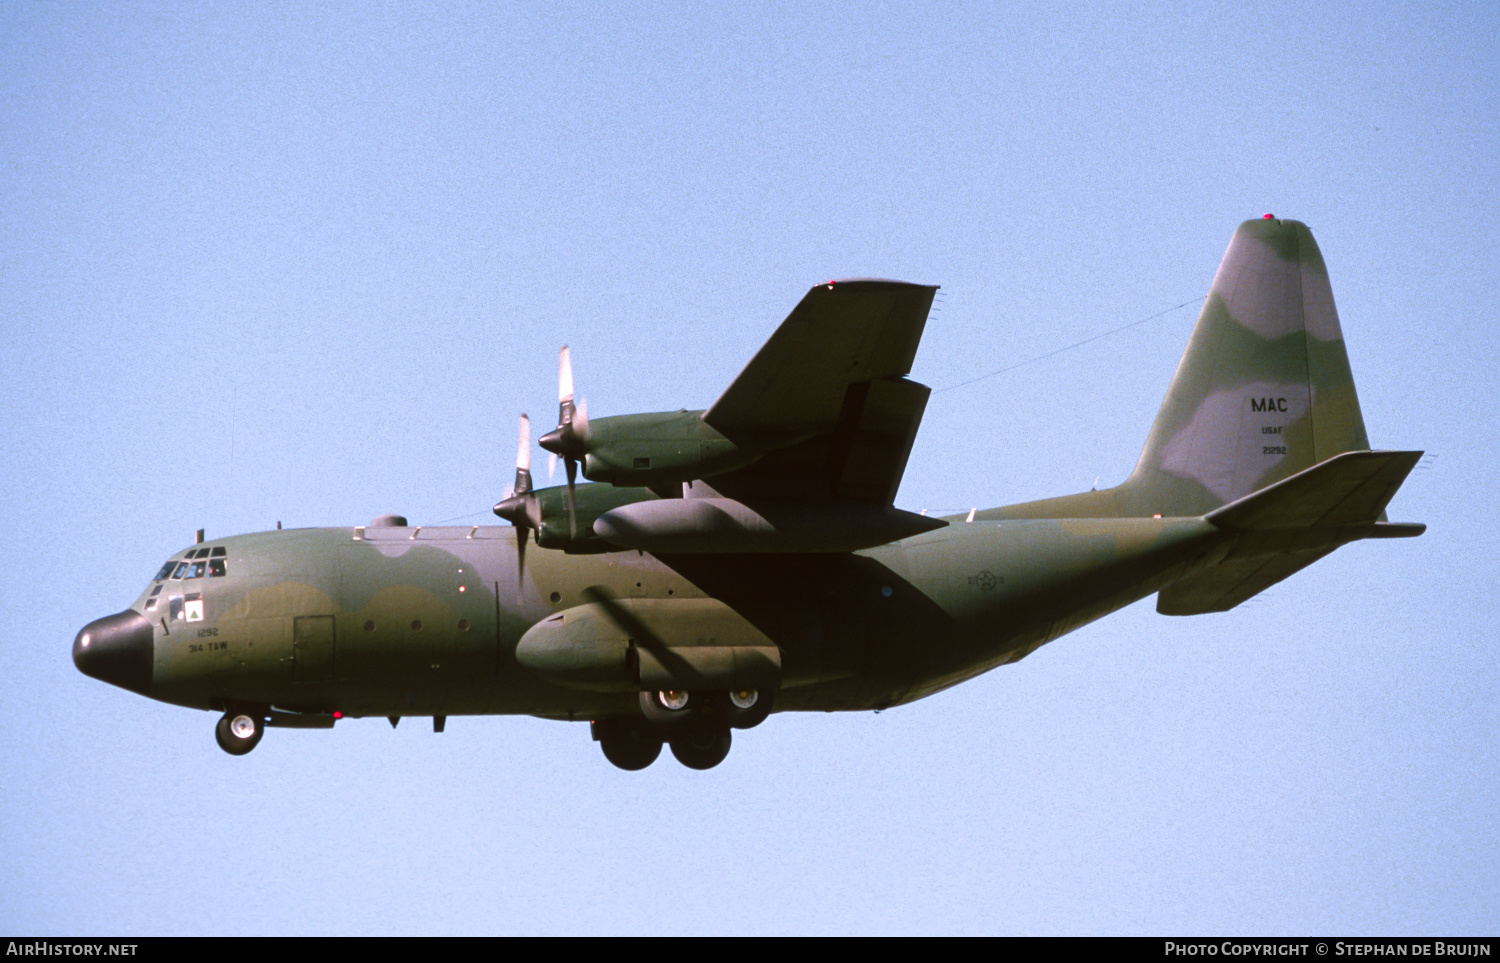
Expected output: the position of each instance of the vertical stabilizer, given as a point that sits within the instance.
(1264, 389)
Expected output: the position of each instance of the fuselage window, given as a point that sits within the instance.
(194, 571)
(181, 567)
(201, 553)
(216, 567)
(165, 571)
(218, 551)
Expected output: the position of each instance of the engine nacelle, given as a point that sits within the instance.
(590, 502)
(661, 448)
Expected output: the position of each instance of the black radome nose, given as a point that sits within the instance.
(119, 649)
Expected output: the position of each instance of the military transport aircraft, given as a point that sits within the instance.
(747, 557)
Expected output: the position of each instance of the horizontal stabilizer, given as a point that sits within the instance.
(1232, 581)
(1349, 488)
(1285, 527)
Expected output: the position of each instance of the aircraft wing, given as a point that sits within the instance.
(842, 333)
(832, 375)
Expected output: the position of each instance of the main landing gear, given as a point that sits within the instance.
(628, 743)
(701, 747)
(695, 724)
(240, 730)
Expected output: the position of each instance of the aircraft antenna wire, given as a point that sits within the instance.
(1070, 347)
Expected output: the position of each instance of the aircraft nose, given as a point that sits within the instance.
(118, 649)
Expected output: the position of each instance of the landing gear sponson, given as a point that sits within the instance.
(695, 724)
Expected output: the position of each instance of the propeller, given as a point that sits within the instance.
(521, 508)
(570, 439)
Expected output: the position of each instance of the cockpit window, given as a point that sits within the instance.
(217, 567)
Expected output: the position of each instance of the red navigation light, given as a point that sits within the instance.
(338, 715)
(1268, 217)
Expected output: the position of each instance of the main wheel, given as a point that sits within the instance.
(701, 747)
(239, 731)
(743, 708)
(629, 745)
(669, 708)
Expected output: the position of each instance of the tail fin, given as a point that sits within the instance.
(1261, 431)
(1264, 389)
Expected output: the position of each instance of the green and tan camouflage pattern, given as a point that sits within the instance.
(402, 621)
(1263, 391)
(1239, 485)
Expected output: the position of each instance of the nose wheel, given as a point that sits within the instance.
(240, 730)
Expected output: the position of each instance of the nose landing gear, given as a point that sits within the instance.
(240, 730)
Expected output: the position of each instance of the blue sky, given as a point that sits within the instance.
(306, 264)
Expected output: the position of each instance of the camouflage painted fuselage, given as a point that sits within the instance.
(1257, 465)
(407, 621)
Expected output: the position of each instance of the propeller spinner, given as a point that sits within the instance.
(521, 508)
(570, 439)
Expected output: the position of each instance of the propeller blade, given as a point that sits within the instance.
(581, 420)
(564, 377)
(568, 438)
(572, 467)
(523, 459)
(521, 538)
(523, 447)
(520, 506)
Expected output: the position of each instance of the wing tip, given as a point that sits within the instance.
(874, 283)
